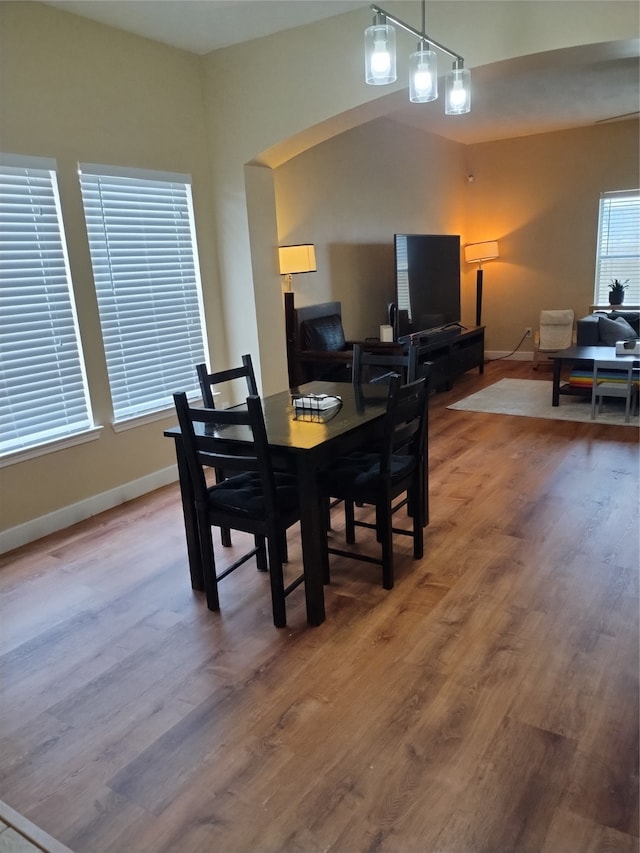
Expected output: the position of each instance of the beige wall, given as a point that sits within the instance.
(79, 91)
(349, 196)
(538, 196)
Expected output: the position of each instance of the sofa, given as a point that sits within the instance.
(604, 329)
(601, 329)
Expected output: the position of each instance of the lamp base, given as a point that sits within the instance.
(479, 296)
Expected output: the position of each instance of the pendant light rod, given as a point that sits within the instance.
(421, 35)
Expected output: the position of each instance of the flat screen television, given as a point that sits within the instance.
(427, 282)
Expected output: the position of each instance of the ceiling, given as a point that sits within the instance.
(201, 26)
(544, 92)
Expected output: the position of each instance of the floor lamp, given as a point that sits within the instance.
(293, 260)
(476, 253)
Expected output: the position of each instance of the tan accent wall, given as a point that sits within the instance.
(349, 196)
(81, 92)
(538, 196)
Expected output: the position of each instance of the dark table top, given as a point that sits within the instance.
(590, 354)
(294, 431)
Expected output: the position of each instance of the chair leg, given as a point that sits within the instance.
(284, 548)
(418, 531)
(261, 557)
(277, 583)
(225, 532)
(385, 535)
(349, 521)
(327, 513)
(326, 572)
(208, 564)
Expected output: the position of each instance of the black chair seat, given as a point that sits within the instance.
(356, 475)
(244, 495)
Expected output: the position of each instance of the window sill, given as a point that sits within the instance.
(22, 455)
(141, 420)
(608, 307)
(151, 417)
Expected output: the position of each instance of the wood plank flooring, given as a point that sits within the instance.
(489, 702)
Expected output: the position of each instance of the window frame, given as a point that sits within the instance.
(618, 245)
(42, 372)
(139, 272)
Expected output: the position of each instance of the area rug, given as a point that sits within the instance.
(531, 398)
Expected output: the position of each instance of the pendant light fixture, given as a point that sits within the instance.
(423, 75)
(380, 52)
(380, 63)
(458, 91)
(423, 71)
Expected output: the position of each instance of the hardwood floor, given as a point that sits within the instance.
(489, 702)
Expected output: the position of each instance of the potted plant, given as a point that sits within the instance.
(616, 291)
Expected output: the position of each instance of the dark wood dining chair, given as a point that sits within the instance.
(209, 382)
(378, 477)
(376, 368)
(252, 497)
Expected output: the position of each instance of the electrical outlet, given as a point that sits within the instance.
(528, 331)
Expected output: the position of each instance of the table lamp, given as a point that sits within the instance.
(296, 259)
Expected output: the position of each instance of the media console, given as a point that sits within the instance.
(452, 350)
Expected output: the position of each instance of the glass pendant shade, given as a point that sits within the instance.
(380, 54)
(423, 76)
(458, 92)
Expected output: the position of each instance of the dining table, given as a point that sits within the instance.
(303, 437)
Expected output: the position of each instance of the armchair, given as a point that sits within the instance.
(316, 343)
(556, 333)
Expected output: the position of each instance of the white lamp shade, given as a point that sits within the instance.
(423, 77)
(380, 54)
(458, 92)
(475, 253)
(297, 259)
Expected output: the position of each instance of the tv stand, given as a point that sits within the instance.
(451, 352)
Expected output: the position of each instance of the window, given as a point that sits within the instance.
(145, 267)
(43, 387)
(618, 253)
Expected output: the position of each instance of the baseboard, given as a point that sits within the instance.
(508, 356)
(15, 537)
(26, 835)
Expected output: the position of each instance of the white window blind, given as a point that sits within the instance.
(402, 274)
(146, 272)
(43, 388)
(618, 254)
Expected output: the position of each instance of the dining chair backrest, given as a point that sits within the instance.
(405, 422)
(376, 368)
(206, 445)
(209, 381)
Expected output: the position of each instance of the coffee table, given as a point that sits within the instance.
(585, 354)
